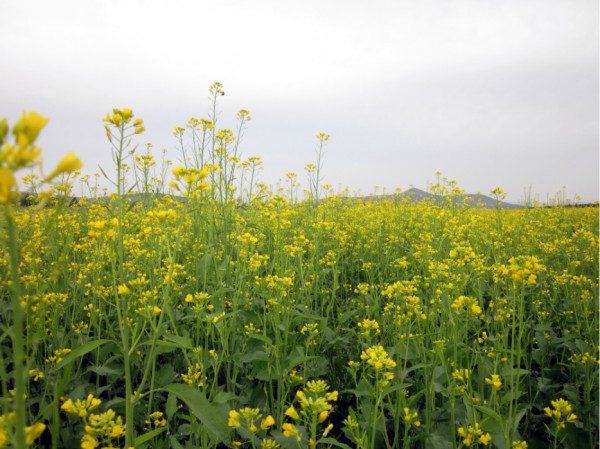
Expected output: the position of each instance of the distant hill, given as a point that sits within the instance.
(468, 200)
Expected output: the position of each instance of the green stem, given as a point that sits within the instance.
(17, 337)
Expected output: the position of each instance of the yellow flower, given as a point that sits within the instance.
(561, 412)
(378, 358)
(3, 133)
(81, 408)
(290, 430)
(68, 164)
(234, 419)
(292, 413)
(68, 406)
(333, 396)
(117, 431)
(268, 444)
(117, 119)
(267, 422)
(123, 290)
(28, 128)
(495, 381)
(33, 432)
(7, 183)
(485, 439)
(127, 114)
(89, 442)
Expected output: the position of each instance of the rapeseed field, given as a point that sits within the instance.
(229, 315)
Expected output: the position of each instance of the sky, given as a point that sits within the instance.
(491, 93)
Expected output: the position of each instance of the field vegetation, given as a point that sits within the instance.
(208, 311)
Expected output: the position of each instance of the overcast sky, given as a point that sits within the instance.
(488, 92)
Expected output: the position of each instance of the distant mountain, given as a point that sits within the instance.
(466, 200)
(476, 200)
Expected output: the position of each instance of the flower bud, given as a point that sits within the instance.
(68, 164)
(7, 183)
(3, 130)
(27, 129)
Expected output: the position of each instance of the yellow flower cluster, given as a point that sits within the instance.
(521, 269)
(106, 227)
(24, 153)
(100, 429)
(315, 407)
(247, 420)
(194, 123)
(120, 118)
(411, 418)
(378, 358)
(468, 305)
(367, 326)
(251, 417)
(81, 408)
(6, 430)
(156, 419)
(495, 381)
(194, 376)
(189, 181)
(473, 434)
(162, 215)
(561, 412)
(462, 378)
(57, 355)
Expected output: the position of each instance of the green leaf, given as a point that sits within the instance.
(165, 375)
(103, 173)
(148, 436)
(262, 338)
(521, 411)
(171, 407)
(347, 315)
(255, 356)
(512, 371)
(174, 443)
(492, 414)
(78, 352)
(224, 396)
(392, 388)
(438, 442)
(333, 442)
(298, 360)
(183, 342)
(204, 411)
(105, 371)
